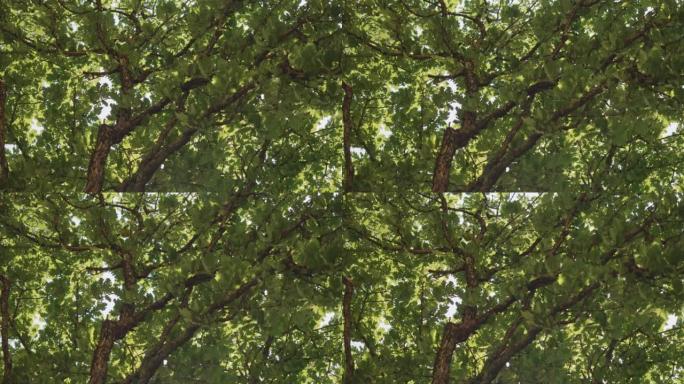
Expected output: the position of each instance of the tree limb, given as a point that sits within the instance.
(346, 313)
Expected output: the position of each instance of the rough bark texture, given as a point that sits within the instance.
(346, 313)
(110, 332)
(347, 122)
(452, 335)
(440, 178)
(108, 135)
(4, 328)
(4, 168)
(440, 372)
(98, 159)
(105, 343)
(452, 140)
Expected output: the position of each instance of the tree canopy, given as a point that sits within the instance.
(311, 191)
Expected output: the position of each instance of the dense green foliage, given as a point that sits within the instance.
(226, 191)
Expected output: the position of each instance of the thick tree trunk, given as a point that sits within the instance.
(440, 178)
(452, 140)
(110, 332)
(98, 160)
(440, 372)
(452, 335)
(105, 343)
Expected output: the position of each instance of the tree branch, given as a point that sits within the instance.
(508, 349)
(452, 140)
(346, 313)
(153, 159)
(155, 356)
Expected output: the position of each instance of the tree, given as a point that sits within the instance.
(397, 191)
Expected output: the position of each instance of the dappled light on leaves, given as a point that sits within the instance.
(318, 191)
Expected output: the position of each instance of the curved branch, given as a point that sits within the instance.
(155, 356)
(151, 162)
